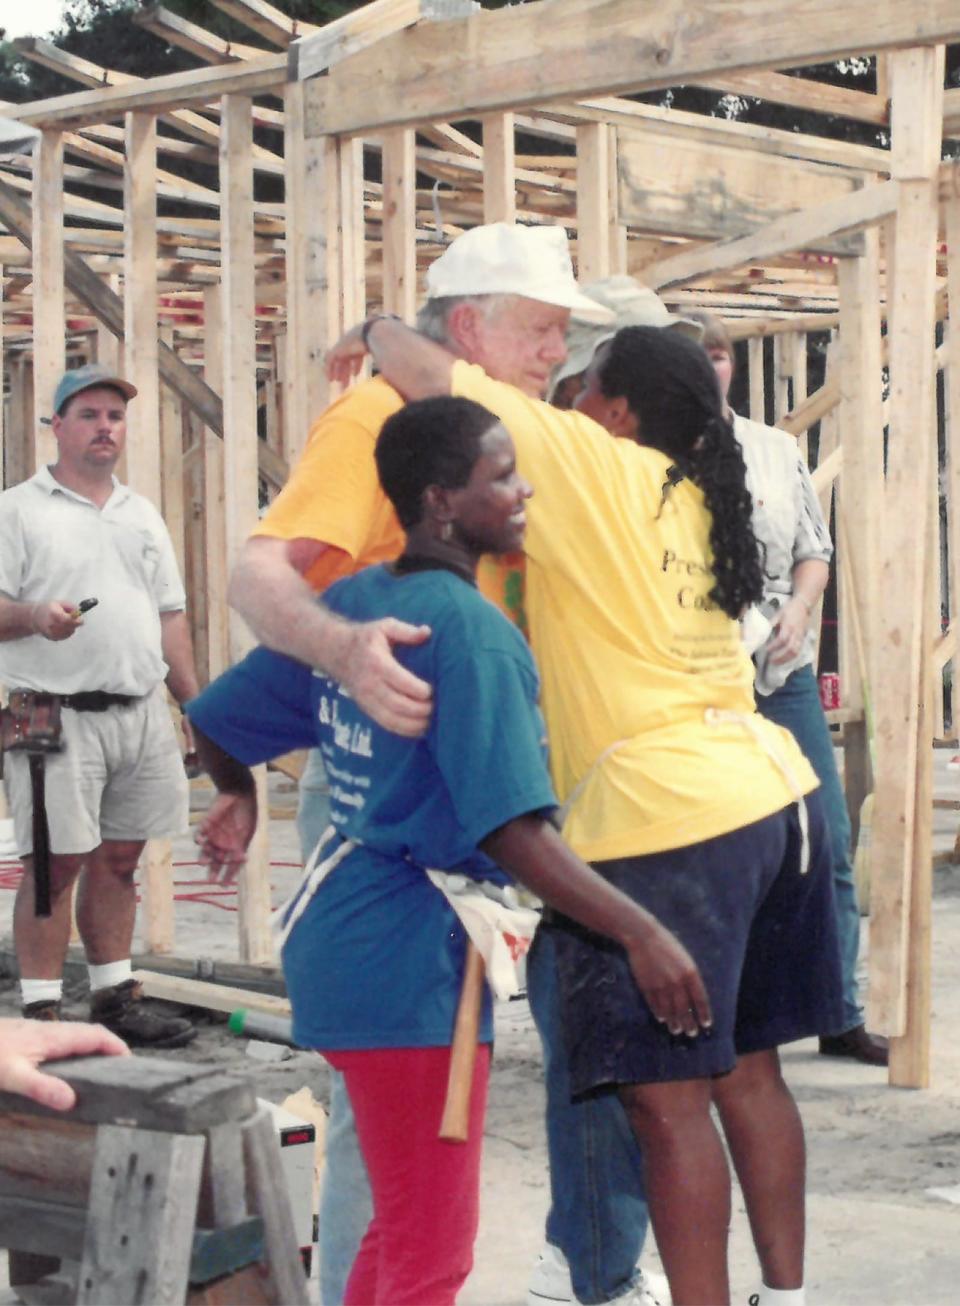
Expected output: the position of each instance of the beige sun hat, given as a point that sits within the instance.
(504, 258)
(631, 304)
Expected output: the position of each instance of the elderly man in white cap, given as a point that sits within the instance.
(500, 296)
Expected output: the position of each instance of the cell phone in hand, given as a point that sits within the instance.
(85, 605)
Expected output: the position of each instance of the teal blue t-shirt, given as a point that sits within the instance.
(376, 960)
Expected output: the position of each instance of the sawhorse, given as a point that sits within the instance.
(164, 1183)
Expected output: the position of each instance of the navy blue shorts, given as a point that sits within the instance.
(763, 935)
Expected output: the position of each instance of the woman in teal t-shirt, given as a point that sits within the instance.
(375, 956)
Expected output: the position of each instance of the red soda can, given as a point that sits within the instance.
(829, 690)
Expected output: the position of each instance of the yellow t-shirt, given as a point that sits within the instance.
(632, 653)
(334, 495)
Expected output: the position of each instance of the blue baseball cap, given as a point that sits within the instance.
(86, 378)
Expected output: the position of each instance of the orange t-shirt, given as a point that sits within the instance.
(334, 496)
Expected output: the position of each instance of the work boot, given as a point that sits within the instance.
(856, 1043)
(122, 1009)
(47, 1009)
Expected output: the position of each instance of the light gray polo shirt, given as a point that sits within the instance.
(56, 544)
(788, 522)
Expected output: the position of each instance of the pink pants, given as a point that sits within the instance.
(418, 1249)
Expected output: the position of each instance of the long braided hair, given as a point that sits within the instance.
(671, 388)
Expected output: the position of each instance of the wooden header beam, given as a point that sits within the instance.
(568, 49)
(347, 35)
(199, 86)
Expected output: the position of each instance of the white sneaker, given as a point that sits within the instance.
(550, 1284)
(550, 1278)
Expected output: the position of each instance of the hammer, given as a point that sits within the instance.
(463, 1051)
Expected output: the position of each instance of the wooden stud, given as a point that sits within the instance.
(3, 424)
(194, 541)
(19, 452)
(141, 355)
(214, 519)
(352, 244)
(155, 878)
(48, 287)
(171, 463)
(861, 424)
(952, 406)
(240, 460)
(141, 467)
(936, 589)
(593, 202)
(311, 273)
(910, 1054)
(900, 823)
(499, 190)
(399, 224)
(209, 996)
(618, 226)
(782, 374)
(758, 394)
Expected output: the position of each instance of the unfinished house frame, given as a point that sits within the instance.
(789, 236)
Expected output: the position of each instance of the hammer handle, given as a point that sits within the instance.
(463, 1051)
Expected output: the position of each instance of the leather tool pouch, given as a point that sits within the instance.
(30, 723)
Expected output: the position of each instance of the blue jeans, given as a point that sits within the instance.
(598, 1211)
(345, 1202)
(796, 705)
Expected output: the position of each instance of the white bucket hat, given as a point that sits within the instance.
(631, 304)
(501, 258)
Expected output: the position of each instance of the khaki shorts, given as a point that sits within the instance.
(120, 776)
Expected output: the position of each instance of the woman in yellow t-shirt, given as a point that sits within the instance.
(640, 557)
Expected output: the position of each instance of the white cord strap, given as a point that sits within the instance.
(315, 872)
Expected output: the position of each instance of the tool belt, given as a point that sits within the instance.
(31, 724)
(96, 700)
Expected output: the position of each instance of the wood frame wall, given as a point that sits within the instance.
(793, 236)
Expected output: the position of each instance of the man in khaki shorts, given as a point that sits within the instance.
(73, 532)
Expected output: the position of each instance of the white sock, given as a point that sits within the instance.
(40, 990)
(781, 1296)
(109, 975)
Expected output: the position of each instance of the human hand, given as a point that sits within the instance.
(671, 983)
(395, 698)
(789, 630)
(345, 359)
(57, 620)
(224, 835)
(24, 1044)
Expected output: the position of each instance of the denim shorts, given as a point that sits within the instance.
(763, 935)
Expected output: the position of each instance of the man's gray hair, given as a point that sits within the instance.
(434, 317)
